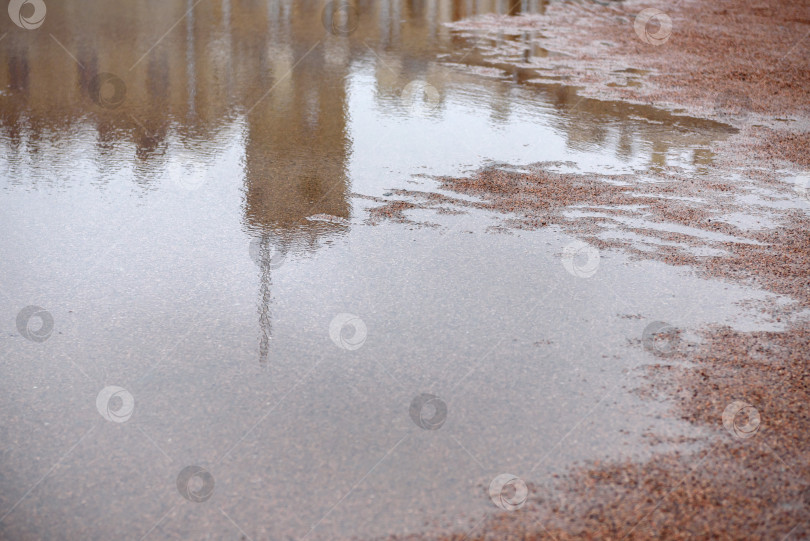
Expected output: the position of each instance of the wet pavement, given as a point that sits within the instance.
(225, 346)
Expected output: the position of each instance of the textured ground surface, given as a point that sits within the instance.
(744, 218)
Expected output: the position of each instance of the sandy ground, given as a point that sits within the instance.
(743, 63)
(737, 61)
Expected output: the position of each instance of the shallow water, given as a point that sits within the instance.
(165, 231)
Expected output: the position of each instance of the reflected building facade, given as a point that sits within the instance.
(192, 69)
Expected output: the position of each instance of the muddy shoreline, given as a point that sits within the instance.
(744, 220)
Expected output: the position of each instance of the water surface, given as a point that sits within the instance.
(194, 222)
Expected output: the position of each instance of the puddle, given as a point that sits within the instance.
(189, 224)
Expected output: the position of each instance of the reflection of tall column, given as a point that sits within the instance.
(658, 157)
(297, 143)
(11, 119)
(389, 22)
(191, 68)
(624, 146)
(296, 154)
(18, 71)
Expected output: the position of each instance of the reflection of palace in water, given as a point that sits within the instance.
(191, 68)
(273, 62)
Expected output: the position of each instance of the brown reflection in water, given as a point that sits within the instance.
(297, 143)
(271, 66)
(191, 67)
(271, 62)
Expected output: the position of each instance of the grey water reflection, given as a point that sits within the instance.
(179, 183)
